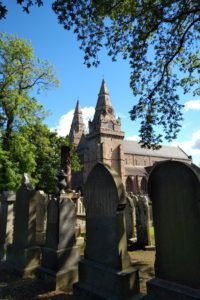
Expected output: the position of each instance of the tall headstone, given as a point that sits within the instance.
(23, 254)
(130, 213)
(105, 272)
(142, 222)
(60, 255)
(7, 202)
(66, 165)
(174, 188)
(41, 217)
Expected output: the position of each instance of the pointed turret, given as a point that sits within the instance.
(104, 117)
(104, 98)
(103, 106)
(103, 89)
(77, 126)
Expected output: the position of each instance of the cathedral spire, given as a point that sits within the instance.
(77, 126)
(104, 117)
(103, 98)
(77, 109)
(103, 89)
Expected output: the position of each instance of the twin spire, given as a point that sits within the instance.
(77, 127)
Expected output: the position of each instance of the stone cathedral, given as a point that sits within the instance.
(105, 143)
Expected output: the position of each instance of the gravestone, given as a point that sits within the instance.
(66, 165)
(130, 214)
(60, 255)
(105, 272)
(174, 188)
(142, 222)
(41, 217)
(7, 202)
(23, 254)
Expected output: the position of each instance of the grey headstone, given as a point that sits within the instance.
(7, 201)
(23, 254)
(105, 203)
(25, 215)
(174, 189)
(41, 216)
(130, 213)
(60, 255)
(143, 222)
(52, 234)
(106, 256)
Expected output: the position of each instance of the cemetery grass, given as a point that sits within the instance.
(14, 288)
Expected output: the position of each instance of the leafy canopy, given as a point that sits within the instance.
(20, 73)
(159, 38)
(26, 144)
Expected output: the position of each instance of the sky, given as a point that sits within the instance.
(50, 41)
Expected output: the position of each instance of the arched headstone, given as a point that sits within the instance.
(174, 189)
(106, 264)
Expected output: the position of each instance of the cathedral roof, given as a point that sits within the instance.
(135, 170)
(133, 147)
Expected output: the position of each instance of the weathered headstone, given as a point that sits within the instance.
(105, 272)
(174, 188)
(23, 254)
(130, 213)
(142, 222)
(60, 255)
(66, 165)
(41, 216)
(7, 202)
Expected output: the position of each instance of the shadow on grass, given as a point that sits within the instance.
(12, 287)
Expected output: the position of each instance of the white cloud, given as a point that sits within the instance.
(88, 114)
(133, 138)
(121, 115)
(65, 120)
(192, 105)
(192, 146)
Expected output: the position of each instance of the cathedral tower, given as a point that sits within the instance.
(105, 138)
(77, 127)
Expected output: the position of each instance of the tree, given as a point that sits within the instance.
(160, 38)
(47, 155)
(26, 144)
(20, 73)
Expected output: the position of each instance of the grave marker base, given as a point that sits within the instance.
(60, 267)
(24, 261)
(62, 280)
(100, 282)
(159, 289)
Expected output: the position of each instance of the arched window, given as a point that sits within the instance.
(129, 185)
(111, 125)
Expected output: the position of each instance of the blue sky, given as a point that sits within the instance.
(50, 41)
